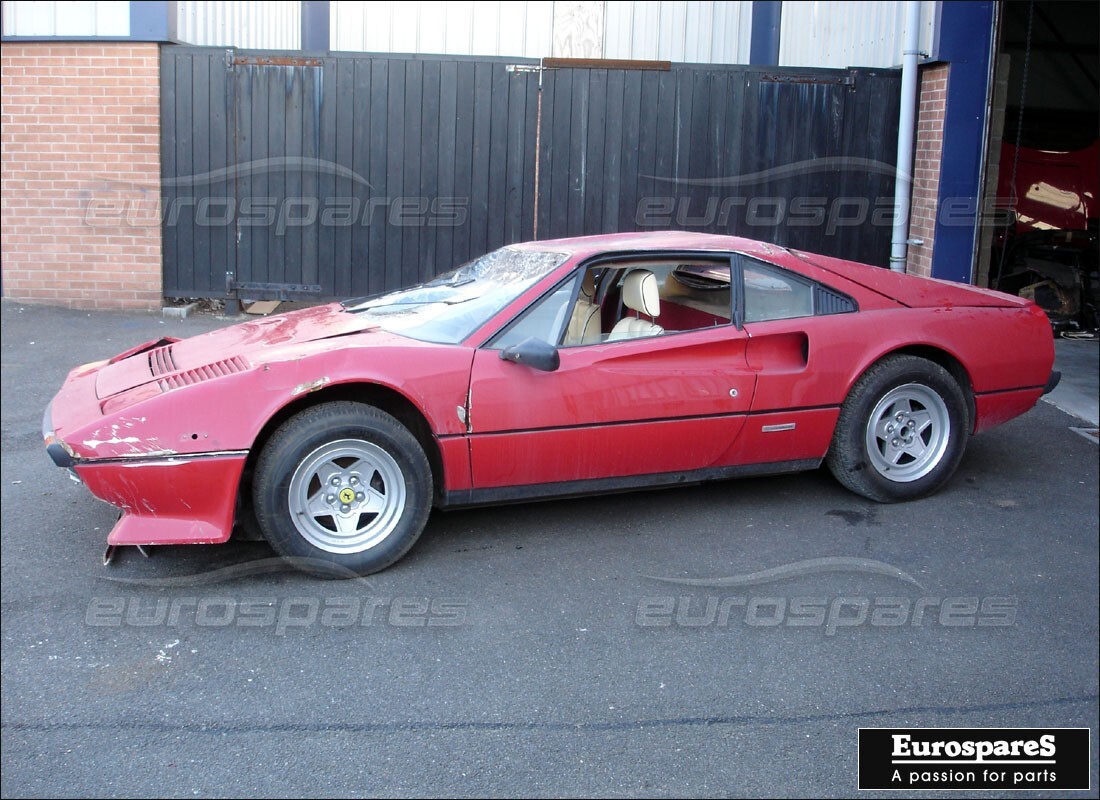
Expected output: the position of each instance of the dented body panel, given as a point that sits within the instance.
(166, 430)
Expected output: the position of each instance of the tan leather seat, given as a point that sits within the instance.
(641, 294)
(584, 325)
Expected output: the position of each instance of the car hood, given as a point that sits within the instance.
(913, 290)
(229, 350)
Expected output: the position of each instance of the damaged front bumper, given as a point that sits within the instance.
(188, 499)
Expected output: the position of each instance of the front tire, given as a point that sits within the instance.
(902, 431)
(342, 489)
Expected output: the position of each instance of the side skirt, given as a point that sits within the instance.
(504, 495)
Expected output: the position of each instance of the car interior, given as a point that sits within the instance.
(641, 299)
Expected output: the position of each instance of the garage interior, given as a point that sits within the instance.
(1042, 182)
(1042, 166)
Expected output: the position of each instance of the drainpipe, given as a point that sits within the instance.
(903, 185)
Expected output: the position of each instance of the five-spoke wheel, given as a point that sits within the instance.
(342, 489)
(902, 430)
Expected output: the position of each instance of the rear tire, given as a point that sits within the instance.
(902, 430)
(342, 489)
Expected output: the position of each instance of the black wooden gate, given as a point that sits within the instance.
(291, 176)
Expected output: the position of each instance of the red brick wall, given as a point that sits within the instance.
(80, 174)
(926, 167)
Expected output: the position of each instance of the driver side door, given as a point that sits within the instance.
(658, 404)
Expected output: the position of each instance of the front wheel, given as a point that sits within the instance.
(342, 489)
(902, 431)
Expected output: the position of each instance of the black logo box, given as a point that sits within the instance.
(1066, 769)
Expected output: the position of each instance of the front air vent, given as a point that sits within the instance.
(218, 369)
(161, 361)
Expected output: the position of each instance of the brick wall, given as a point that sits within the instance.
(80, 174)
(926, 166)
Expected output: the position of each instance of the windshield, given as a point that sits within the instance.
(454, 305)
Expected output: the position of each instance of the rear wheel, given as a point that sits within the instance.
(342, 489)
(902, 431)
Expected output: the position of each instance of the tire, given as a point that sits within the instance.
(901, 432)
(342, 489)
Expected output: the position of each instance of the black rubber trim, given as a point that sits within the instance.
(545, 491)
(58, 454)
(1053, 381)
(648, 421)
(1014, 389)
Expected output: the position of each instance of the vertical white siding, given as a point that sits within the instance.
(275, 25)
(463, 27)
(67, 18)
(844, 33)
(708, 32)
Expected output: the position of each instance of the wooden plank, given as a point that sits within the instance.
(412, 193)
(328, 140)
(544, 172)
(240, 236)
(463, 161)
(613, 151)
(255, 184)
(429, 171)
(378, 176)
(594, 161)
(515, 148)
(530, 155)
(634, 144)
(498, 157)
(184, 218)
(202, 189)
(576, 138)
(312, 98)
(681, 146)
(274, 83)
(448, 119)
(356, 110)
(169, 123)
(479, 158)
(295, 206)
(558, 175)
(222, 205)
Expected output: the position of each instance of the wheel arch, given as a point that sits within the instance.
(942, 357)
(379, 396)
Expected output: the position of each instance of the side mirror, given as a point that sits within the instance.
(534, 353)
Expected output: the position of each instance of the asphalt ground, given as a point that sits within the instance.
(543, 649)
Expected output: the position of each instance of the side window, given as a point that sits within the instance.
(655, 298)
(544, 320)
(772, 293)
(627, 300)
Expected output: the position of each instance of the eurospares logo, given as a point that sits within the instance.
(974, 758)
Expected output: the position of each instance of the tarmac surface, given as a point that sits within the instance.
(546, 649)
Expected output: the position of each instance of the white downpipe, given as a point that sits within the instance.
(903, 185)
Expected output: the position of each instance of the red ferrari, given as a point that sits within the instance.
(546, 369)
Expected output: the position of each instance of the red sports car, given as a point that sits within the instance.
(546, 369)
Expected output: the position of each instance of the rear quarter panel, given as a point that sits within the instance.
(1006, 353)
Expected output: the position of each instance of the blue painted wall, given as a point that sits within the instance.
(965, 40)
